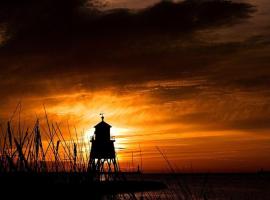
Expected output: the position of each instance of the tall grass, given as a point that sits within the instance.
(39, 149)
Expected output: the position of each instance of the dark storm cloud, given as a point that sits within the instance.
(58, 47)
(70, 70)
(54, 23)
(48, 16)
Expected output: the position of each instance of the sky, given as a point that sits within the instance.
(188, 77)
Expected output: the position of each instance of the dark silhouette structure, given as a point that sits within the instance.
(103, 163)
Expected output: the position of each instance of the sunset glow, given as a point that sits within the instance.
(199, 91)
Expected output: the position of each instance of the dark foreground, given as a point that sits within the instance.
(76, 184)
(148, 186)
(234, 186)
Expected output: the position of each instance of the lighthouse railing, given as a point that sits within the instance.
(112, 138)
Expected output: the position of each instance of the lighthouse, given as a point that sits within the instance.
(102, 162)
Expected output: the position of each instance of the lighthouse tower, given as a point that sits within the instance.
(102, 161)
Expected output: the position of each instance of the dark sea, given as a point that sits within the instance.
(207, 187)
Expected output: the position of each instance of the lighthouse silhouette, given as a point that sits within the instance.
(102, 162)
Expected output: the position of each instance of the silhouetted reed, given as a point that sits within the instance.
(39, 151)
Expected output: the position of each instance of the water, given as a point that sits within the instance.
(210, 186)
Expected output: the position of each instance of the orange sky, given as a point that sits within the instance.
(193, 134)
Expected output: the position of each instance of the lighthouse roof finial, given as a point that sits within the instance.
(102, 116)
(102, 123)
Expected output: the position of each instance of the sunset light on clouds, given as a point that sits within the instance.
(200, 93)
